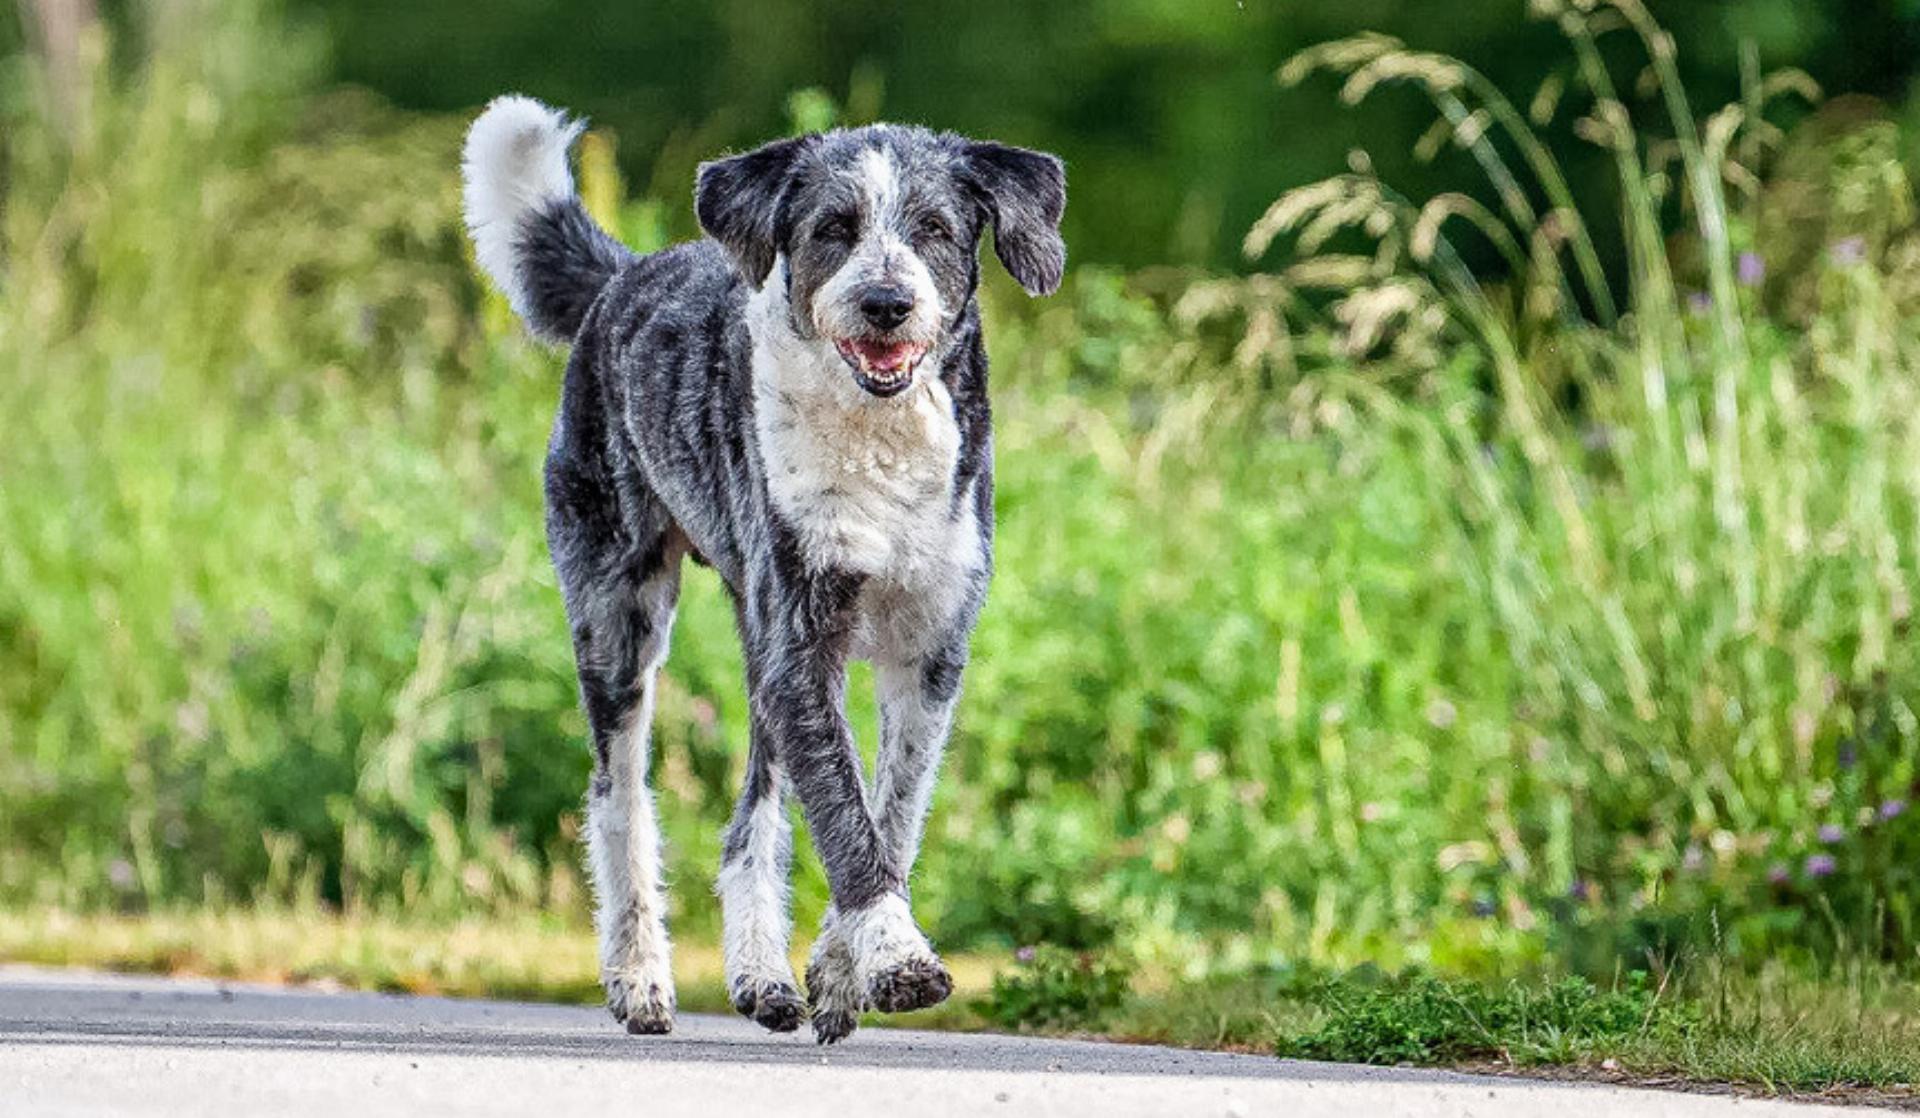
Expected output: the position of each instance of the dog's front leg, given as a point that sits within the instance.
(800, 691)
(917, 698)
(755, 858)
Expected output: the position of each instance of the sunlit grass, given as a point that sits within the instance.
(523, 957)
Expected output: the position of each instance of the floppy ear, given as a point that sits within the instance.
(1025, 193)
(738, 202)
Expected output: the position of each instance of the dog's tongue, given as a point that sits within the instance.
(885, 357)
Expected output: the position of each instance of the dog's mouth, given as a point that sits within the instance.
(881, 367)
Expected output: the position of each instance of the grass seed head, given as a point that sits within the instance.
(1436, 72)
(1339, 56)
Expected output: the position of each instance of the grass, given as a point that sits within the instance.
(1851, 1037)
(482, 958)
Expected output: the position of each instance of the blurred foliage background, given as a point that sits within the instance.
(1490, 580)
(1165, 109)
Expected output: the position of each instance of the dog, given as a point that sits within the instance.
(799, 401)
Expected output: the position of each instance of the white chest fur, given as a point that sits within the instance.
(867, 483)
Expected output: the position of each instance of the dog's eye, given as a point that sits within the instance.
(935, 229)
(838, 229)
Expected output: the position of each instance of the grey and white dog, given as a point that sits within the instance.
(799, 402)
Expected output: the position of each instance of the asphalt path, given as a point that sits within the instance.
(91, 1044)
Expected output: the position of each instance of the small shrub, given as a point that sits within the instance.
(1053, 988)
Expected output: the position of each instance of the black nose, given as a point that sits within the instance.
(886, 307)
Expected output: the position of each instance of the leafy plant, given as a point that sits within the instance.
(1054, 988)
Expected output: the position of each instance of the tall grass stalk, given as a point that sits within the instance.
(1666, 600)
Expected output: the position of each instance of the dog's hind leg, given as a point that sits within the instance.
(756, 855)
(618, 558)
(620, 640)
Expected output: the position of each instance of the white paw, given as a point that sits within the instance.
(641, 997)
(754, 922)
(764, 989)
(894, 967)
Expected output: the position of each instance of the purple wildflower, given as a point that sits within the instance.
(1024, 955)
(1753, 269)
(1778, 873)
(1848, 252)
(1821, 865)
(1831, 833)
(1893, 809)
(1699, 303)
(1581, 889)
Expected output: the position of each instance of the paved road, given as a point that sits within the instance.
(89, 1044)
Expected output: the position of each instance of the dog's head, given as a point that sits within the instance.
(878, 229)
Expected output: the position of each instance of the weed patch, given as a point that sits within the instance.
(1426, 1020)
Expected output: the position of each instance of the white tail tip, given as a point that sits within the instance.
(515, 162)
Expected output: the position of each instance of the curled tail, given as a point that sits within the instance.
(529, 230)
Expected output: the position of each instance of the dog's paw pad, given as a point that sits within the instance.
(910, 985)
(650, 1024)
(775, 1006)
(833, 1026)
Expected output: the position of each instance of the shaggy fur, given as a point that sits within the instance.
(800, 402)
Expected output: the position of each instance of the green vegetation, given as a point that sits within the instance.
(1358, 611)
(1424, 1020)
(1165, 109)
(1851, 1037)
(1056, 988)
